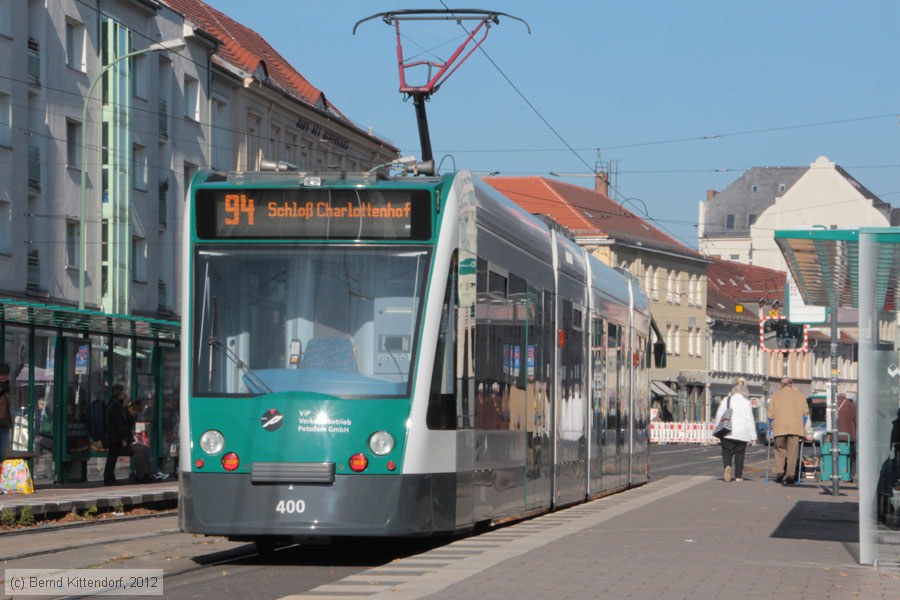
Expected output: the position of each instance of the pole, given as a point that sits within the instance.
(422, 121)
(172, 45)
(832, 404)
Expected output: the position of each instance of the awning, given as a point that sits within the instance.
(661, 389)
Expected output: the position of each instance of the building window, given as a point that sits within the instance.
(677, 295)
(729, 222)
(139, 167)
(781, 187)
(5, 228)
(754, 188)
(139, 65)
(73, 244)
(5, 120)
(73, 144)
(676, 338)
(221, 135)
(751, 219)
(670, 287)
(191, 98)
(139, 259)
(75, 45)
(6, 17)
(734, 257)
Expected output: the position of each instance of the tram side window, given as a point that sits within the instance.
(501, 349)
(441, 412)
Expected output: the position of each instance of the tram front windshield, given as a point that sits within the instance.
(335, 320)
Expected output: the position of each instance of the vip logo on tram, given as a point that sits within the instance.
(271, 420)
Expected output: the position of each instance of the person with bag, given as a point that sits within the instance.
(789, 413)
(5, 414)
(118, 433)
(742, 429)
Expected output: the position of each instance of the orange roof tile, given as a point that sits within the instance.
(729, 283)
(585, 211)
(246, 49)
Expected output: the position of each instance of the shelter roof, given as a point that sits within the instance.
(71, 319)
(825, 264)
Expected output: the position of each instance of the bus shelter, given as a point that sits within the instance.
(63, 364)
(860, 268)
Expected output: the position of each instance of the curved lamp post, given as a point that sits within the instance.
(168, 45)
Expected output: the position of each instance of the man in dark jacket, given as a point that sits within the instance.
(118, 433)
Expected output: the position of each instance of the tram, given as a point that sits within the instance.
(408, 356)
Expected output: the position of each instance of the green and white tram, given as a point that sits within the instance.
(397, 357)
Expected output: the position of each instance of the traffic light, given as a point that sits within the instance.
(781, 334)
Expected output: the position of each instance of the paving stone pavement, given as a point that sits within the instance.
(678, 537)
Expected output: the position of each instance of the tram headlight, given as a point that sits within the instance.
(212, 441)
(381, 443)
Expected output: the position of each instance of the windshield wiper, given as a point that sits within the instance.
(249, 375)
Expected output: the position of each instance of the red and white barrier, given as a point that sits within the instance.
(684, 432)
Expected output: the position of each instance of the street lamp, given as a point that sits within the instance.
(168, 45)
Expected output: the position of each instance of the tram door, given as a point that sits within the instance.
(598, 402)
(612, 448)
(571, 409)
(538, 360)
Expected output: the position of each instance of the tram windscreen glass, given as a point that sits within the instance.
(313, 213)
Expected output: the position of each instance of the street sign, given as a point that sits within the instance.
(797, 310)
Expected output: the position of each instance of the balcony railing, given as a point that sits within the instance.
(34, 62)
(163, 119)
(163, 297)
(33, 283)
(164, 204)
(34, 168)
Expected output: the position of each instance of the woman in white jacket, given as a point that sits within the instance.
(743, 430)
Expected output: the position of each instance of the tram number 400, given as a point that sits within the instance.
(290, 506)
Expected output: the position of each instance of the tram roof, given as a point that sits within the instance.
(72, 319)
(825, 264)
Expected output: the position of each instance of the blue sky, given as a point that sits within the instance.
(679, 97)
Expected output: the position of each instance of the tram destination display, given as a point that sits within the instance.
(310, 213)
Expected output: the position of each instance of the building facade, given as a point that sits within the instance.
(107, 110)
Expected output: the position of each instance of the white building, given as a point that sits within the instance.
(201, 100)
(739, 222)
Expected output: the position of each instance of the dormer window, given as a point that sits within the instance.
(262, 72)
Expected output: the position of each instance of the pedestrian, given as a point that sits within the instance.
(5, 414)
(743, 430)
(788, 411)
(847, 423)
(144, 470)
(118, 433)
